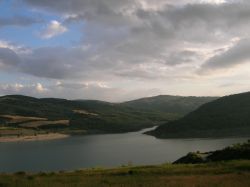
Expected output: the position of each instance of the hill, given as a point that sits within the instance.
(226, 116)
(169, 104)
(86, 116)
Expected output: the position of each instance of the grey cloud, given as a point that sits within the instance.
(76, 6)
(182, 57)
(8, 58)
(121, 33)
(138, 73)
(54, 62)
(236, 55)
(198, 22)
(191, 21)
(147, 28)
(50, 62)
(72, 85)
(108, 11)
(18, 20)
(77, 63)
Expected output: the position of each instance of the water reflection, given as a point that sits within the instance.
(108, 150)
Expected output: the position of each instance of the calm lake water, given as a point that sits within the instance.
(101, 151)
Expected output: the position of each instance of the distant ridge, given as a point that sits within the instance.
(168, 103)
(99, 116)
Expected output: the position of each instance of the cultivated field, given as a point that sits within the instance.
(35, 124)
(19, 119)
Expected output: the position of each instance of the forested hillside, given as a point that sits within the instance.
(226, 116)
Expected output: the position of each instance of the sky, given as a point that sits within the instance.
(119, 50)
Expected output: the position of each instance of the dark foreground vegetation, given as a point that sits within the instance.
(234, 152)
(225, 174)
(224, 117)
(22, 115)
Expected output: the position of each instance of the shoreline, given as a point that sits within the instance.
(39, 137)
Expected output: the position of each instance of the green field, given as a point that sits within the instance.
(230, 173)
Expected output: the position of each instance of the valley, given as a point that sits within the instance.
(27, 116)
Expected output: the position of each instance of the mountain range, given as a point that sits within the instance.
(92, 116)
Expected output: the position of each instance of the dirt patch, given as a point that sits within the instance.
(85, 112)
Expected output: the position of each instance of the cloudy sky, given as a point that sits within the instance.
(117, 50)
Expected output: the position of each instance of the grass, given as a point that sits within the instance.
(11, 131)
(20, 119)
(35, 124)
(225, 174)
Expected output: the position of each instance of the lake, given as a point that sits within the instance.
(107, 150)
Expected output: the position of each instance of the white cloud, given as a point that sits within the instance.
(20, 49)
(54, 28)
(36, 89)
(40, 88)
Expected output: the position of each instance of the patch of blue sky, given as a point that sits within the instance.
(10, 8)
(20, 35)
(5, 8)
(71, 37)
(29, 36)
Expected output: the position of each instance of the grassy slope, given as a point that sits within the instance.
(110, 118)
(227, 116)
(232, 173)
